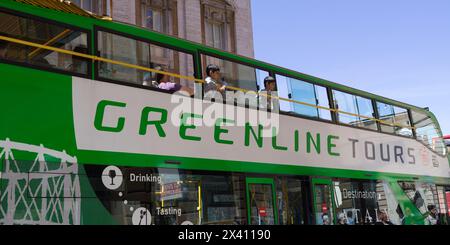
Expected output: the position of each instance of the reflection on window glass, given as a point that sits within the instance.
(174, 197)
(128, 50)
(360, 107)
(234, 75)
(365, 202)
(46, 34)
(262, 210)
(427, 132)
(290, 201)
(305, 92)
(423, 195)
(393, 115)
(323, 208)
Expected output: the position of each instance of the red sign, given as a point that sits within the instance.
(262, 212)
(324, 208)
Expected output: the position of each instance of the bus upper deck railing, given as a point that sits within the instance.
(190, 78)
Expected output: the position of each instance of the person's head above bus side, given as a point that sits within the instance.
(270, 84)
(213, 71)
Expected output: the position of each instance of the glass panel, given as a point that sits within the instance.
(234, 75)
(425, 197)
(359, 106)
(171, 196)
(46, 34)
(303, 92)
(365, 109)
(427, 132)
(262, 211)
(144, 54)
(323, 210)
(323, 101)
(443, 206)
(290, 201)
(283, 85)
(365, 202)
(447, 198)
(346, 102)
(394, 115)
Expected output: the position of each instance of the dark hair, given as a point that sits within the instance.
(431, 207)
(158, 76)
(211, 68)
(82, 49)
(268, 79)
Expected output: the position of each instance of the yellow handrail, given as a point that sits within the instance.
(189, 78)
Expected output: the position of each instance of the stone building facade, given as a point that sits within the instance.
(223, 24)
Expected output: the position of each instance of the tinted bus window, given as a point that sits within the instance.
(145, 54)
(235, 75)
(365, 202)
(43, 33)
(425, 197)
(292, 196)
(361, 108)
(172, 196)
(394, 115)
(305, 92)
(427, 132)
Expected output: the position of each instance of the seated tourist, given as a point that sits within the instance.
(164, 83)
(213, 81)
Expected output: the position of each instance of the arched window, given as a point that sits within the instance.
(99, 7)
(218, 24)
(158, 15)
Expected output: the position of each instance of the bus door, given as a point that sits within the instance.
(261, 204)
(322, 198)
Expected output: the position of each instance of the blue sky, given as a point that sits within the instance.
(398, 49)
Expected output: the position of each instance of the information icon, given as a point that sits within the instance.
(112, 177)
(141, 216)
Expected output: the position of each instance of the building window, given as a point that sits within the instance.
(99, 7)
(158, 15)
(218, 25)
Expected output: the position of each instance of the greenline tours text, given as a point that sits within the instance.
(224, 235)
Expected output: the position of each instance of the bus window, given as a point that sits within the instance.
(145, 54)
(171, 196)
(427, 132)
(314, 95)
(425, 197)
(360, 108)
(239, 76)
(444, 208)
(291, 200)
(364, 202)
(43, 33)
(396, 120)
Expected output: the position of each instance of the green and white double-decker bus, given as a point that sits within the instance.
(87, 136)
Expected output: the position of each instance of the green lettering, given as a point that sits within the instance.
(331, 145)
(184, 126)
(100, 113)
(258, 139)
(218, 131)
(316, 143)
(145, 122)
(296, 141)
(274, 141)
